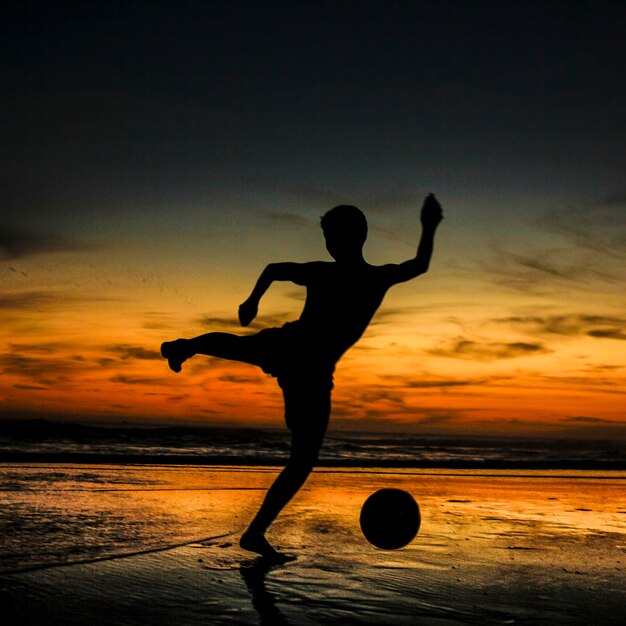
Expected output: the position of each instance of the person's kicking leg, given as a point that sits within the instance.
(223, 345)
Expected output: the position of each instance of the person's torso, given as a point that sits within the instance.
(341, 302)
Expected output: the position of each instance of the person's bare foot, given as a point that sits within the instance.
(259, 544)
(175, 353)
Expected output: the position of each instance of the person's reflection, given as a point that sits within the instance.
(253, 574)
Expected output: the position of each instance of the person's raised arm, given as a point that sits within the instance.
(430, 217)
(294, 272)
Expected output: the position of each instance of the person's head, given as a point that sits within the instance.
(345, 231)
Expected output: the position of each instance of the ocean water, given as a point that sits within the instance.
(42, 441)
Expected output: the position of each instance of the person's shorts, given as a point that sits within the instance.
(304, 373)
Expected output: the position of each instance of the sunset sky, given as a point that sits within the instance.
(156, 155)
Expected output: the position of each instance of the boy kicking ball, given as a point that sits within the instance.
(341, 299)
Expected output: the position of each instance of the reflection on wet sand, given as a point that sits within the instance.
(263, 601)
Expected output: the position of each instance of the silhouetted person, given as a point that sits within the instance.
(341, 299)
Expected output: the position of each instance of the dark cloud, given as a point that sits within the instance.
(544, 266)
(488, 351)
(434, 384)
(44, 299)
(36, 348)
(135, 380)
(157, 320)
(582, 419)
(589, 428)
(240, 379)
(405, 419)
(381, 395)
(437, 418)
(22, 365)
(30, 299)
(607, 333)
(215, 322)
(606, 385)
(178, 398)
(385, 401)
(599, 226)
(273, 320)
(538, 271)
(599, 326)
(32, 387)
(231, 323)
(17, 244)
(427, 382)
(156, 326)
(127, 351)
(290, 219)
(41, 370)
(594, 238)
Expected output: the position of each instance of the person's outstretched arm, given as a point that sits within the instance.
(295, 272)
(430, 217)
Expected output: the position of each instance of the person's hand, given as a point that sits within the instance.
(247, 312)
(431, 212)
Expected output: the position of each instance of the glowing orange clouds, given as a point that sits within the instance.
(515, 347)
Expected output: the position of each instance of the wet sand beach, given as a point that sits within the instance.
(157, 545)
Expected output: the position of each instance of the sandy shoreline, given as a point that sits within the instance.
(491, 550)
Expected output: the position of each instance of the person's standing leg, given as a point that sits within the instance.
(308, 419)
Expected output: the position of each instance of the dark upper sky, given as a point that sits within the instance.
(135, 102)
